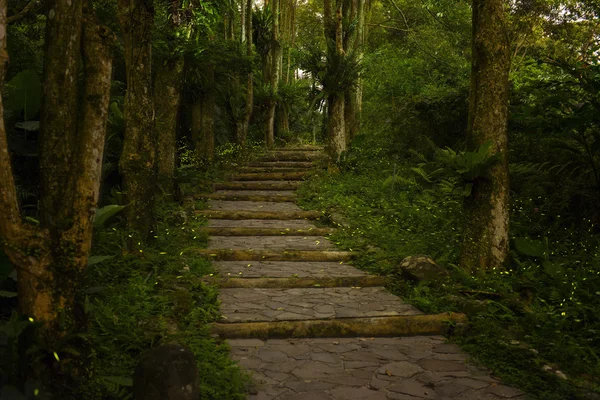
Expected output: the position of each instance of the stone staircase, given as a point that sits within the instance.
(302, 320)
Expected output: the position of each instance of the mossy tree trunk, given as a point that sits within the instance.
(241, 126)
(203, 117)
(354, 14)
(242, 133)
(167, 98)
(51, 259)
(485, 239)
(138, 162)
(274, 68)
(336, 129)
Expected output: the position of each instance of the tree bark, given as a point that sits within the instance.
(274, 75)
(485, 238)
(243, 136)
(353, 95)
(283, 121)
(243, 21)
(58, 122)
(203, 118)
(336, 128)
(197, 125)
(167, 99)
(167, 90)
(207, 144)
(138, 165)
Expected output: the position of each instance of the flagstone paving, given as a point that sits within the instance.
(422, 367)
(317, 368)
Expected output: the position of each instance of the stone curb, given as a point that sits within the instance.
(246, 197)
(256, 185)
(279, 215)
(407, 325)
(243, 231)
(271, 255)
(295, 282)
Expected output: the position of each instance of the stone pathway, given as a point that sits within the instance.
(283, 318)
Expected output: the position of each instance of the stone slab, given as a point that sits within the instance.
(275, 193)
(270, 243)
(251, 305)
(286, 269)
(361, 368)
(227, 205)
(261, 223)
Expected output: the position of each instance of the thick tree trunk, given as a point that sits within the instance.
(197, 125)
(51, 259)
(486, 241)
(167, 97)
(59, 110)
(353, 95)
(203, 119)
(242, 136)
(350, 115)
(243, 21)
(207, 142)
(336, 127)
(138, 160)
(283, 121)
(274, 76)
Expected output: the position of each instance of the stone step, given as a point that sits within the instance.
(273, 255)
(270, 243)
(250, 231)
(261, 223)
(272, 193)
(365, 368)
(235, 195)
(286, 269)
(268, 305)
(258, 206)
(390, 326)
(301, 148)
(275, 169)
(296, 282)
(272, 176)
(292, 156)
(257, 185)
(280, 215)
(280, 164)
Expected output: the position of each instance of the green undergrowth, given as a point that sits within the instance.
(542, 312)
(138, 301)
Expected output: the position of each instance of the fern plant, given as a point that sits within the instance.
(458, 170)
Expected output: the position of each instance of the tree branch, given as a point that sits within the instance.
(401, 13)
(30, 7)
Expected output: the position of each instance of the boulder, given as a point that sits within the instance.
(166, 372)
(422, 268)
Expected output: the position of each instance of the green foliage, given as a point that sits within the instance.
(457, 171)
(24, 93)
(139, 301)
(105, 213)
(334, 73)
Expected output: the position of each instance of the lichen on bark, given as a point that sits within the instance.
(485, 237)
